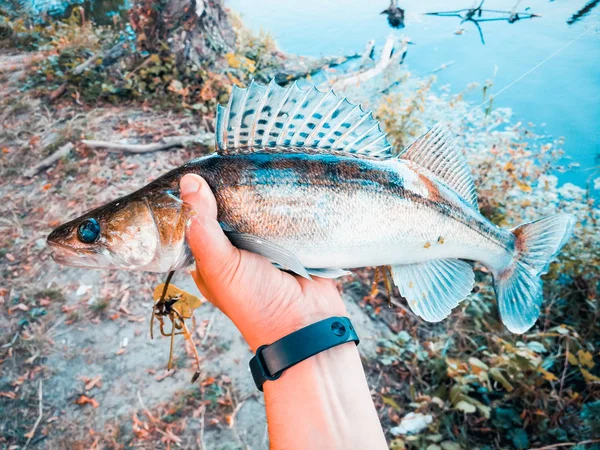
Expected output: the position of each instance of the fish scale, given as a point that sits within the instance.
(309, 180)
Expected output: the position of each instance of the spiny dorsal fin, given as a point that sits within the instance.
(275, 117)
(438, 152)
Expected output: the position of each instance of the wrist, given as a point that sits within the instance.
(327, 399)
(287, 318)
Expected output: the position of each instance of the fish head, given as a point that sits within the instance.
(119, 235)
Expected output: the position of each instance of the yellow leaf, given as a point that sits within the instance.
(523, 186)
(186, 303)
(585, 359)
(391, 402)
(588, 376)
(548, 376)
(397, 444)
(235, 80)
(509, 167)
(232, 60)
(572, 359)
(477, 363)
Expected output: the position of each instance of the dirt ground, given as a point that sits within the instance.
(77, 366)
(78, 369)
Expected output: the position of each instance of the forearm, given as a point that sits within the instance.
(323, 402)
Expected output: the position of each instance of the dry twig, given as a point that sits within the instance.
(567, 444)
(207, 330)
(39, 419)
(205, 139)
(50, 160)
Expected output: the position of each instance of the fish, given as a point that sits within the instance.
(309, 180)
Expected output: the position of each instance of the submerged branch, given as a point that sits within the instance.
(583, 11)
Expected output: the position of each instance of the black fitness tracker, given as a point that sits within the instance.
(271, 360)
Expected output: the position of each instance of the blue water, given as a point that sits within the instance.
(563, 94)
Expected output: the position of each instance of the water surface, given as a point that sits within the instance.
(563, 95)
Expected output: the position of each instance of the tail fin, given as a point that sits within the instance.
(519, 286)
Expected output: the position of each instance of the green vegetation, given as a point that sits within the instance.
(484, 387)
(96, 64)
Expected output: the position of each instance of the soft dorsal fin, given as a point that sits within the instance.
(438, 152)
(271, 117)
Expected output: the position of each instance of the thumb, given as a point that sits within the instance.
(214, 254)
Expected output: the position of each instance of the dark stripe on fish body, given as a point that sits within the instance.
(267, 166)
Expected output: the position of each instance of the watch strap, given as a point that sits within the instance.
(272, 360)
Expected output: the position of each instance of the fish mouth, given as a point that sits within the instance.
(78, 260)
(62, 258)
(67, 256)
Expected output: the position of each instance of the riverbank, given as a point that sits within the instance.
(78, 339)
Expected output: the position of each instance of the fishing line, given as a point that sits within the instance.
(537, 66)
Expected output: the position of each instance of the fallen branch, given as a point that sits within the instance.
(367, 55)
(104, 59)
(204, 139)
(14, 339)
(50, 160)
(207, 330)
(57, 92)
(294, 68)
(360, 77)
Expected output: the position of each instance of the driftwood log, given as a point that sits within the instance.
(296, 67)
(392, 53)
(368, 54)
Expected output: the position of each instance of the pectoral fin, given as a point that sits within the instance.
(433, 288)
(329, 273)
(273, 252)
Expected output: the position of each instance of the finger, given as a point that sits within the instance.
(214, 254)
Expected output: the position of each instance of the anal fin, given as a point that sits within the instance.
(433, 288)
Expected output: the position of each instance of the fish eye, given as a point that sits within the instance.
(88, 231)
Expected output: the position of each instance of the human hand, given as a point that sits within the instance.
(262, 301)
